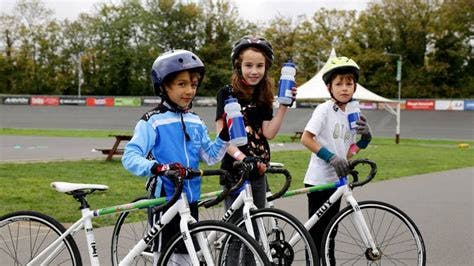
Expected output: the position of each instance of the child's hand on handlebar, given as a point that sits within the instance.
(159, 169)
(259, 167)
(340, 165)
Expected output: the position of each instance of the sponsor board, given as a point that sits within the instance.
(16, 100)
(44, 100)
(205, 101)
(420, 104)
(381, 106)
(151, 101)
(367, 106)
(127, 101)
(72, 101)
(100, 101)
(469, 105)
(449, 105)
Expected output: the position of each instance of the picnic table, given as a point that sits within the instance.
(296, 136)
(115, 150)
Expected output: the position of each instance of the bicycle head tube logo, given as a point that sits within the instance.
(227, 214)
(154, 231)
(94, 249)
(323, 209)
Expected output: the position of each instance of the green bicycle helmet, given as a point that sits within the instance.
(339, 65)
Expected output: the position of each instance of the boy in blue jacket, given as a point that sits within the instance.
(172, 136)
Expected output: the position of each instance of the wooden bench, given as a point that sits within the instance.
(115, 150)
(297, 135)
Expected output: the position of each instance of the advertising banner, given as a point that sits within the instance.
(449, 105)
(368, 106)
(100, 101)
(420, 104)
(44, 100)
(151, 101)
(381, 106)
(127, 101)
(469, 105)
(72, 100)
(16, 100)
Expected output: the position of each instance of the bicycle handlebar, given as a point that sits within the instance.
(244, 169)
(355, 174)
(286, 173)
(179, 180)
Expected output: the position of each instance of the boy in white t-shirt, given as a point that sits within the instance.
(330, 139)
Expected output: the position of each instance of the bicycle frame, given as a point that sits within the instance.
(180, 208)
(245, 199)
(85, 222)
(343, 191)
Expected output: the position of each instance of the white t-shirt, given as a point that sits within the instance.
(330, 126)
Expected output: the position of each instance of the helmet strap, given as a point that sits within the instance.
(338, 103)
(172, 106)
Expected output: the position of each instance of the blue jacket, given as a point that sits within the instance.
(163, 134)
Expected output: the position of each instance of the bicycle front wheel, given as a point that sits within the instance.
(25, 234)
(130, 227)
(281, 227)
(216, 234)
(395, 235)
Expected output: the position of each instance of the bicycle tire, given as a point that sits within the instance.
(130, 227)
(303, 252)
(226, 232)
(395, 235)
(24, 234)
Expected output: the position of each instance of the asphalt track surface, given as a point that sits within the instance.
(441, 204)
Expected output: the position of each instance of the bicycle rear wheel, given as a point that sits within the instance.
(395, 234)
(129, 228)
(25, 234)
(248, 250)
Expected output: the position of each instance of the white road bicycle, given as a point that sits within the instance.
(365, 232)
(273, 228)
(32, 238)
(362, 233)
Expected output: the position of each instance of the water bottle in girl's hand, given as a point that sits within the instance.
(353, 113)
(286, 84)
(235, 122)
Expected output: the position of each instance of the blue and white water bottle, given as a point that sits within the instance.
(353, 113)
(287, 82)
(235, 122)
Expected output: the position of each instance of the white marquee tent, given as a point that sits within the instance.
(315, 89)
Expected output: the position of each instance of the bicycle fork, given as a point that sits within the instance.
(360, 224)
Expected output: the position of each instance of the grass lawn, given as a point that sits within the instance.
(26, 185)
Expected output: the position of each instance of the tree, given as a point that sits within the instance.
(222, 27)
(316, 36)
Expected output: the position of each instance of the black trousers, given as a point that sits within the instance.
(315, 201)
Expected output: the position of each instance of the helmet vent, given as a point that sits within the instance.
(180, 60)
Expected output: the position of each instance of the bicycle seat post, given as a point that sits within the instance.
(80, 196)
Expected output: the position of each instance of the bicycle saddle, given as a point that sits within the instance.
(67, 187)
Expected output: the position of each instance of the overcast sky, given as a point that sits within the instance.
(254, 10)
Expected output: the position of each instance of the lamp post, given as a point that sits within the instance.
(399, 80)
(80, 77)
(319, 63)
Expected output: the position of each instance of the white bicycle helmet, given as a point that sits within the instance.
(340, 65)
